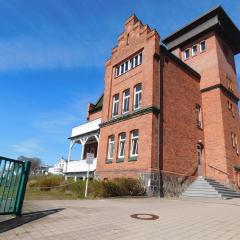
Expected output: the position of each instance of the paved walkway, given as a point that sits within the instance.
(110, 219)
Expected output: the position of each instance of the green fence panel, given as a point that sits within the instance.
(13, 181)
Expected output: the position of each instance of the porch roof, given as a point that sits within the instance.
(89, 128)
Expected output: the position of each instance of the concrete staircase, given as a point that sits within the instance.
(203, 187)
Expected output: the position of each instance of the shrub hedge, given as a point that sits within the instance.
(96, 188)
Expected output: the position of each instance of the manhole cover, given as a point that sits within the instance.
(144, 216)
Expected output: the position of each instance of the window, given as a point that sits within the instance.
(126, 98)
(134, 143)
(202, 46)
(122, 69)
(234, 142)
(137, 96)
(194, 50)
(231, 108)
(125, 66)
(140, 59)
(121, 147)
(110, 147)
(229, 84)
(115, 105)
(198, 116)
(186, 54)
(118, 71)
(129, 64)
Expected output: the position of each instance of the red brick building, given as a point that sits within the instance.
(170, 106)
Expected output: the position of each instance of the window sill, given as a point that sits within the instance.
(133, 158)
(119, 160)
(108, 161)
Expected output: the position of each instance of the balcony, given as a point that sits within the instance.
(80, 166)
(86, 128)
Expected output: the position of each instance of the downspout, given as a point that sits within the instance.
(160, 125)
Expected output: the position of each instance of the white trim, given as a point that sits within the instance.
(184, 54)
(139, 92)
(200, 46)
(111, 141)
(122, 139)
(133, 138)
(125, 98)
(115, 103)
(194, 54)
(136, 62)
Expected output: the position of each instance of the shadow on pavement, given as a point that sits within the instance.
(26, 218)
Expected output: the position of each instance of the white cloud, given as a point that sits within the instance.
(29, 147)
(35, 53)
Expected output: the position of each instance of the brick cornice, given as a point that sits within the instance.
(223, 88)
(130, 115)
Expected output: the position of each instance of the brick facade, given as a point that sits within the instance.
(172, 90)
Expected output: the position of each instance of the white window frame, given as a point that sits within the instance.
(111, 145)
(185, 55)
(117, 71)
(194, 54)
(122, 144)
(133, 138)
(137, 93)
(200, 46)
(136, 61)
(115, 104)
(126, 98)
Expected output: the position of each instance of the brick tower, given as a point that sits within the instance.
(208, 45)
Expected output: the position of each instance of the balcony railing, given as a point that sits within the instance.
(86, 128)
(80, 166)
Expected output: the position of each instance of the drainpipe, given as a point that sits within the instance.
(160, 125)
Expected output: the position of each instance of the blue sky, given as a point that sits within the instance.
(52, 55)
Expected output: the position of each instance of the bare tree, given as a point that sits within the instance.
(35, 162)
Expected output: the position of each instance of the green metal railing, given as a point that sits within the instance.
(13, 181)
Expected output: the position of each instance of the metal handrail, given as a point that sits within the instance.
(218, 169)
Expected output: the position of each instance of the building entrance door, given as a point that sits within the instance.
(199, 153)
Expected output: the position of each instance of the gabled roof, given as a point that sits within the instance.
(98, 105)
(216, 19)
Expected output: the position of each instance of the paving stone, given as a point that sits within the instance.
(110, 219)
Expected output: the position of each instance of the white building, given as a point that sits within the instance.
(59, 168)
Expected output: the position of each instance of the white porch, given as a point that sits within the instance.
(88, 136)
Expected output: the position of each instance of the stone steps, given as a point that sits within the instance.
(202, 187)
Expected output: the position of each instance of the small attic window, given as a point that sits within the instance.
(194, 50)
(202, 46)
(186, 54)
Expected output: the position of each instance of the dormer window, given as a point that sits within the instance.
(202, 46)
(128, 65)
(186, 54)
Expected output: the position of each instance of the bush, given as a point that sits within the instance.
(77, 188)
(123, 187)
(46, 183)
(96, 188)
